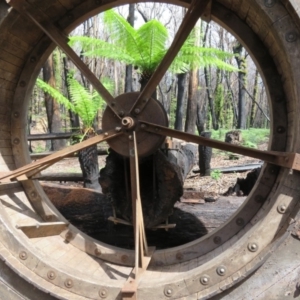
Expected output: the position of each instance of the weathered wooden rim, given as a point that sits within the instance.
(276, 186)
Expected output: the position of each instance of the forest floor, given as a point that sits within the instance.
(209, 186)
(202, 208)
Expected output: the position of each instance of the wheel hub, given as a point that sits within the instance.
(147, 142)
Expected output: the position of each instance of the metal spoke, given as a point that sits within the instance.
(60, 39)
(50, 159)
(196, 9)
(284, 159)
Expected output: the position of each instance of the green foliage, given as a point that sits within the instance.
(84, 103)
(250, 137)
(249, 144)
(216, 174)
(143, 47)
(146, 46)
(57, 95)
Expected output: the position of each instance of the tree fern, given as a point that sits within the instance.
(57, 95)
(84, 103)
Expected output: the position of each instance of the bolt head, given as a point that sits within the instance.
(68, 283)
(205, 279)
(23, 255)
(103, 293)
(168, 291)
(253, 247)
(51, 275)
(221, 270)
(281, 209)
(137, 111)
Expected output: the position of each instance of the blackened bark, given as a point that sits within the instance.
(88, 160)
(255, 92)
(181, 83)
(129, 68)
(205, 154)
(160, 184)
(144, 80)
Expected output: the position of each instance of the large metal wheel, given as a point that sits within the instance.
(71, 265)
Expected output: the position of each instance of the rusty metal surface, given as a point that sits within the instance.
(284, 159)
(147, 143)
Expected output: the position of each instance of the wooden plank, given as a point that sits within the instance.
(9, 67)
(43, 229)
(8, 46)
(9, 76)
(59, 155)
(11, 58)
(129, 290)
(6, 159)
(192, 201)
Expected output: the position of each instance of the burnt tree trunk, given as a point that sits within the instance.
(161, 185)
(205, 154)
(181, 81)
(191, 110)
(88, 160)
(129, 68)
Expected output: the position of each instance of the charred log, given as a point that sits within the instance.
(205, 154)
(160, 184)
(88, 210)
(244, 186)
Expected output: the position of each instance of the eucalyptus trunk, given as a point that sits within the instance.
(52, 107)
(181, 83)
(241, 62)
(191, 111)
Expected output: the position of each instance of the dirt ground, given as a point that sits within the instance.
(209, 186)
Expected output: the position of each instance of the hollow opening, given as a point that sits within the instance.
(186, 218)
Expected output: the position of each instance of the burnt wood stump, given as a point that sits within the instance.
(161, 185)
(205, 154)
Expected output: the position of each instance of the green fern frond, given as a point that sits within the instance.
(122, 34)
(152, 40)
(84, 105)
(57, 95)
